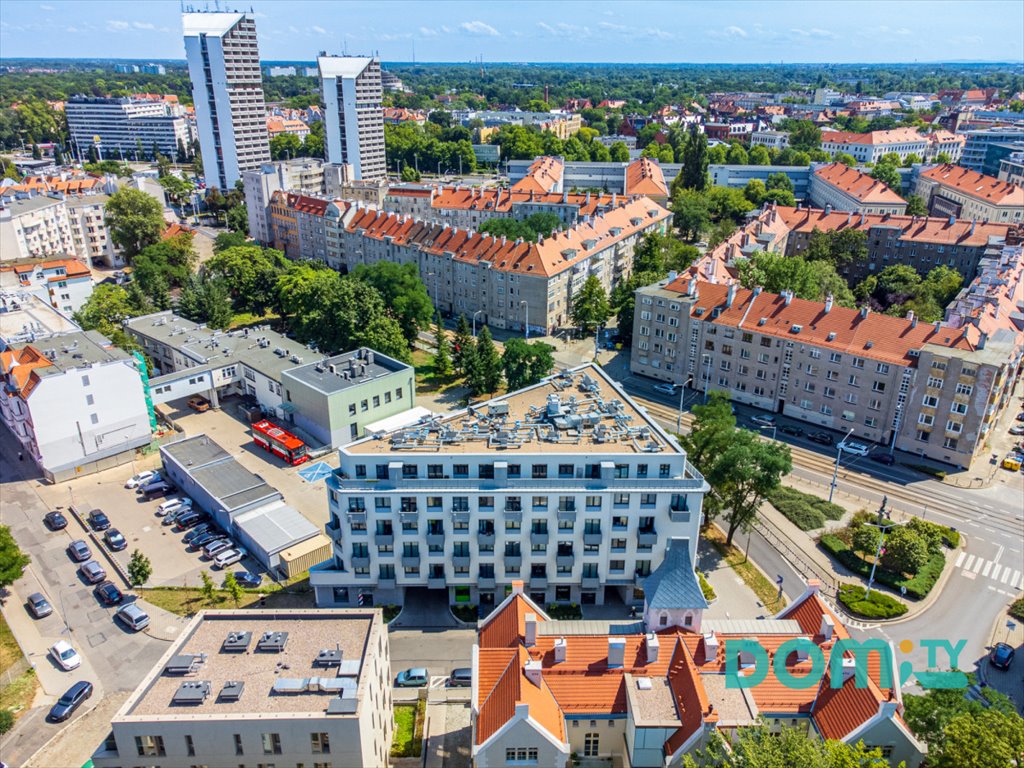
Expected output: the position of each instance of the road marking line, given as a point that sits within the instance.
(960, 559)
(1006, 575)
(1017, 581)
(969, 563)
(968, 574)
(990, 530)
(977, 565)
(999, 554)
(992, 588)
(988, 569)
(995, 572)
(974, 525)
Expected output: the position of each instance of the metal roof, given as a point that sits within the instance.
(674, 585)
(275, 527)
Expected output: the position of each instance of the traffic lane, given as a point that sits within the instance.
(762, 553)
(439, 650)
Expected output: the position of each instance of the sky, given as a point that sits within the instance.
(836, 31)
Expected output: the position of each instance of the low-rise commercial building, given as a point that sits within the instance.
(75, 403)
(949, 190)
(770, 139)
(649, 693)
(566, 484)
(280, 687)
(841, 188)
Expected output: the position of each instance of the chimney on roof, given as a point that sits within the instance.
(828, 303)
(517, 587)
(973, 223)
(757, 291)
(952, 220)
(730, 295)
(653, 646)
(828, 208)
(710, 646)
(827, 627)
(912, 318)
(615, 199)
(691, 288)
(788, 296)
(533, 670)
(982, 340)
(849, 668)
(530, 638)
(588, 197)
(864, 311)
(560, 647)
(616, 652)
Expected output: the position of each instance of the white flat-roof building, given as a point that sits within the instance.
(227, 89)
(353, 115)
(259, 687)
(125, 126)
(566, 484)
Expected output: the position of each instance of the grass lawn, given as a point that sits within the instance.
(427, 379)
(10, 651)
(765, 590)
(185, 601)
(408, 737)
(16, 697)
(243, 319)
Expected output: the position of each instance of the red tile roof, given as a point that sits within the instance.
(644, 177)
(21, 365)
(544, 175)
(977, 185)
(839, 711)
(858, 185)
(893, 136)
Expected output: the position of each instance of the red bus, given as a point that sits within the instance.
(279, 442)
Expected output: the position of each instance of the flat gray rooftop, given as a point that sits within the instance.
(346, 370)
(195, 452)
(74, 350)
(219, 474)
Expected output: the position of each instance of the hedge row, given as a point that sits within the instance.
(917, 587)
(706, 588)
(878, 606)
(804, 510)
(1017, 609)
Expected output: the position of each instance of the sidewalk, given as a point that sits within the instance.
(733, 598)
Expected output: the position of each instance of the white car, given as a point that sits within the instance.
(763, 420)
(67, 658)
(141, 479)
(172, 505)
(665, 389)
(229, 557)
(857, 449)
(214, 548)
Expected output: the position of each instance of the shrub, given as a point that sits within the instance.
(563, 611)
(6, 720)
(924, 468)
(706, 588)
(1017, 609)
(905, 550)
(878, 606)
(464, 612)
(783, 498)
(917, 587)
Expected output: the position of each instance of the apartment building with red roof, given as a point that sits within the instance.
(949, 190)
(645, 177)
(839, 187)
(651, 691)
(64, 284)
(298, 224)
(544, 176)
(870, 147)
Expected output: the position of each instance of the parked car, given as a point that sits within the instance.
(142, 478)
(763, 420)
(665, 389)
(55, 521)
(416, 677)
(821, 437)
(195, 533)
(92, 571)
(155, 488)
(792, 429)
(133, 616)
(190, 520)
(67, 658)
(248, 579)
(172, 517)
(1020, 416)
(98, 520)
(215, 547)
(115, 540)
(203, 539)
(857, 449)
(461, 677)
(883, 457)
(229, 557)
(79, 551)
(171, 505)
(108, 593)
(1017, 429)
(1002, 655)
(38, 605)
(70, 701)
(199, 403)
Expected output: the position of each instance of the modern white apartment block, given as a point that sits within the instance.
(567, 485)
(353, 115)
(75, 403)
(123, 125)
(87, 215)
(227, 89)
(64, 284)
(258, 687)
(305, 175)
(48, 226)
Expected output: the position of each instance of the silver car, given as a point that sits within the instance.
(39, 605)
(133, 616)
(92, 572)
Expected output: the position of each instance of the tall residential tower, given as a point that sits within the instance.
(353, 116)
(224, 66)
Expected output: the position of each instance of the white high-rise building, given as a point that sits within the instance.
(121, 126)
(353, 115)
(224, 65)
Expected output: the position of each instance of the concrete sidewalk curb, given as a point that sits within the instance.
(94, 701)
(998, 630)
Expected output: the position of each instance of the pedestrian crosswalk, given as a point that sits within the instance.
(973, 566)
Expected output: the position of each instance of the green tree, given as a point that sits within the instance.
(106, 310)
(12, 560)
(525, 363)
(206, 300)
(737, 155)
(139, 569)
(759, 156)
(846, 159)
(755, 192)
(716, 155)
(225, 240)
(178, 190)
(691, 214)
(590, 306)
(804, 136)
(727, 204)
(238, 218)
(443, 355)
(484, 374)
(930, 714)
(811, 280)
(285, 146)
(713, 428)
(983, 739)
(410, 174)
(662, 253)
(760, 747)
(838, 247)
(905, 550)
(463, 346)
(744, 474)
(403, 292)
(234, 589)
(888, 174)
(208, 587)
(916, 205)
(943, 283)
(943, 158)
(694, 173)
(250, 275)
(619, 152)
(865, 540)
(135, 220)
(911, 159)
(623, 300)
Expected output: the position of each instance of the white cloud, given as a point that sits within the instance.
(319, 30)
(293, 30)
(660, 34)
(613, 27)
(815, 32)
(428, 32)
(46, 8)
(478, 28)
(734, 31)
(546, 27)
(143, 25)
(118, 26)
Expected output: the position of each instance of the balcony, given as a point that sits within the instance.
(566, 514)
(592, 538)
(460, 560)
(514, 562)
(485, 582)
(485, 537)
(679, 515)
(590, 582)
(435, 539)
(360, 561)
(411, 561)
(386, 582)
(566, 560)
(647, 537)
(538, 537)
(333, 530)
(436, 582)
(538, 582)
(384, 538)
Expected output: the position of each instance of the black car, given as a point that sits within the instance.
(98, 520)
(248, 579)
(189, 521)
(791, 429)
(70, 701)
(108, 593)
(821, 437)
(55, 521)
(196, 532)
(883, 457)
(115, 540)
(201, 541)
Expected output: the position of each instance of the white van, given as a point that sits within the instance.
(170, 505)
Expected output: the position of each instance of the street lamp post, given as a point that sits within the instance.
(883, 514)
(478, 312)
(707, 379)
(896, 428)
(526, 325)
(774, 428)
(835, 472)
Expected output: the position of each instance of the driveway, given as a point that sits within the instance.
(425, 608)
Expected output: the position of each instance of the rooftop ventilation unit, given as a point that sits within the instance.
(290, 685)
(328, 657)
(342, 705)
(184, 664)
(272, 642)
(232, 691)
(237, 642)
(498, 409)
(192, 692)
